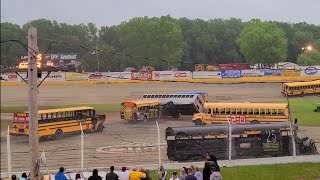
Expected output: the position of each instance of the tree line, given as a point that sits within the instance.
(165, 42)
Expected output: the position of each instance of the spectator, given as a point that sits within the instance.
(78, 177)
(193, 169)
(215, 162)
(183, 174)
(162, 174)
(190, 175)
(136, 175)
(13, 177)
(215, 174)
(111, 175)
(95, 175)
(174, 176)
(206, 170)
(146, 171)
(198, 174)
(60, 175)
(23, 176)
(123, 174)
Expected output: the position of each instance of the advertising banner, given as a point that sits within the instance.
(10, 77)
(310, 71)
(230, 73)
(181, 75)
(97, 76)
(291, 72)
(76, 77)
(144, 75)
(54, 76)
(162, 75)
(252, 73)
(271, 72)
(119, 75)
(206, 74)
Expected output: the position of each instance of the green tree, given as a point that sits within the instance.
(309, 58)
(159, 38)
(262, 42)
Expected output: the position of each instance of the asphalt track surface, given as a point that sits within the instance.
(122, 143)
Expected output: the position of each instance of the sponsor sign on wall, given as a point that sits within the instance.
(76, 77)
(291, 72)
(97, 76)
(119, 75)
(181, 75)
(162, 75)
(54, 76)
(310, 71)
(271, 72)
(206, 74)
(230, 73)
(252, 73)
(10, 77)
(144, 75)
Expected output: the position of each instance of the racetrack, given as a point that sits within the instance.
(121, 143)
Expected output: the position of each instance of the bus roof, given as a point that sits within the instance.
(191, 92)
(248, 105)
(291, 84)
(144, 102)
(64, 109)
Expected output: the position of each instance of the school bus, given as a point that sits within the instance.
(57, 122)
(133, 111)
(242, 113)
(300, 88)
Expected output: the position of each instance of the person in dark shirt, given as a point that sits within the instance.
(190, 175)
(111, 175)
(95, 175)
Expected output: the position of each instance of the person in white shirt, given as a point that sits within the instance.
(174, 176)
(123, 174)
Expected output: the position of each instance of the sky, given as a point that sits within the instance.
(113, 12)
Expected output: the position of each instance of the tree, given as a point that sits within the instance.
(159, 38)
(309, 58)
(262, 42)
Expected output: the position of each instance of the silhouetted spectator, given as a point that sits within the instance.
(95, 175)
(111, 175)
(23, 176)
(215, 174)
(174, 176)
(190, 175)
(162, 174)
(78, 177)
(60, 175)
(13, 177)
(207, 170)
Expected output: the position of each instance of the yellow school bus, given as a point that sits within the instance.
(57, 122)
(242, 113)
(133, 111)
(301, 88)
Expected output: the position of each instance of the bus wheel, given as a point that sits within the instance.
(255, 122)
(198, 122)
(100, 128)
(58, 134)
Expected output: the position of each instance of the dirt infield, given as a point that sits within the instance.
(121, 143)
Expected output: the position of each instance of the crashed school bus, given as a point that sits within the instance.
(57, 122)
(300, 88)
(132, 111)
(247, 141)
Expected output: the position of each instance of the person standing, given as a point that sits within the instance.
(78, 177)
(95, 175)
(123, 174)
(111, 175)
(162, 174)
(136, 175)
(174, 176)
(190, 175)
(198, 174)
(206, 170)
(183, 174)
(60, 175)
(215, 174)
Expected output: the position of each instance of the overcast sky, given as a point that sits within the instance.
(107, 12)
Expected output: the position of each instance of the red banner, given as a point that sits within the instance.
(147, 75)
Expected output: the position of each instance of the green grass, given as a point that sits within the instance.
(303, 110)
(305, 171)
(100, 108)
(5, 123)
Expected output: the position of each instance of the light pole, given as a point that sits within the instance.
(305, 49)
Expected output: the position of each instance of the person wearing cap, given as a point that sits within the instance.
(111, 175)
(136, 175)
(123, 174)
(174, 176)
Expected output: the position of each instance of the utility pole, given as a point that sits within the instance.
(97, 53)
(32, 102)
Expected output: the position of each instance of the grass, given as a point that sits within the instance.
(303, 110)
(305, 171)
(5, 123)
(100, 108)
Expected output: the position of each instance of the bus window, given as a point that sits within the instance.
(149, 96)
(167, 96)
(256, 111)
(200, 102)
(191, 96)
(250, 111)
(262, 111)
(198, 107)
(222, 111)
(233, 110)
(179, 96)
(281, 111)
(175, 96)
(273, 111)
(144, 96)
(268, 111)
